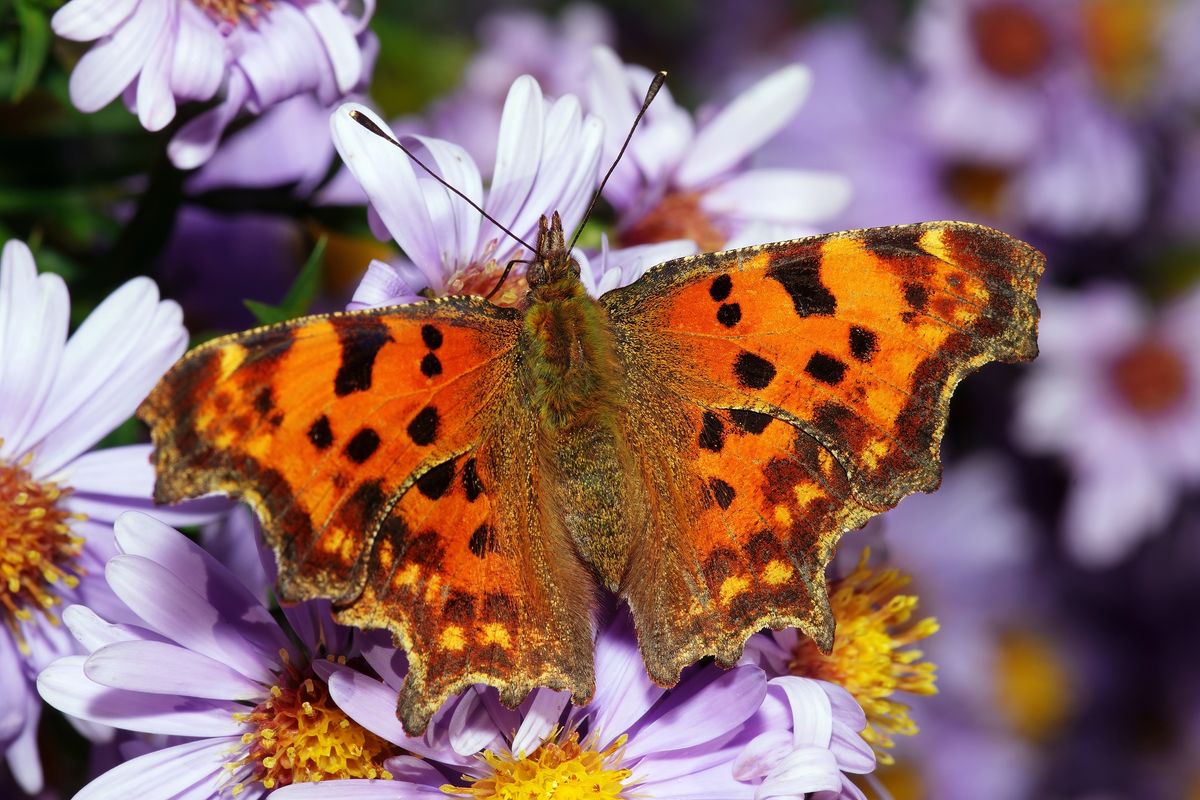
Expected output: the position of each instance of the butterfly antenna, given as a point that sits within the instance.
(366, 122)
(655, 85)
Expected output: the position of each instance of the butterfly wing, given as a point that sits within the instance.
(791, 391)
(380, 449)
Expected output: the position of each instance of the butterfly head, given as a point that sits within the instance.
(553, 269)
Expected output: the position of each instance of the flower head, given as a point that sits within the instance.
(1121, 404)
(58, 498)
(201, 657)
(681, 180)
(251, 54)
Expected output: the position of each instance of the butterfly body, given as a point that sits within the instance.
(469, 476)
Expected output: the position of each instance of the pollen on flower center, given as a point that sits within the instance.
(1010, 39)
(482, 279)
(872, 655)
(37, 550)
(677, 216)
(234, 11)
(300, 736)
(566, 770)
(1151, 377)
(1120, 41)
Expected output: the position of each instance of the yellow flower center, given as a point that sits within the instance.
(234, 11)
(872, 655)
(1151, 377)
(300, 736)
(677, 216)
(1010, 39)
(1119, 40)
(37, 550)
(1033, 684)
(566, 770)
(481, 279)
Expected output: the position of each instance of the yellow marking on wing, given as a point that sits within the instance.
(806, 493)
(452, 638)
(232, 356)
(783, 516)
(874, 451)
(778, 572)
(495, 633)
(407, 576)
(732, 587)
(933, 241)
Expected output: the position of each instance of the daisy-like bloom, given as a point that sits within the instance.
(58, 498)
(548, 158)
(718, 735)
(873, 656)
(1116, 393)
(1019, 95)
(683, 180)
(251, 54)
(202, 658)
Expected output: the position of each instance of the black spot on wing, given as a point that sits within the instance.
(916, 296)
(434, 483)
(320, 434)
(483, 541)
(459, 606)
(362, 338)
(712, 432)
(431, 336)
(729, 314)
(826, 368)
(753, 372)
(750, 421)
(423, 429)
(431, 366)
(801, 278)
(362, 445)
(864, 344)
(471, 482)
(722, 492)
(720, 288)
(264, 401)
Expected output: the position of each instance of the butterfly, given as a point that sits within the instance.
(470, 476)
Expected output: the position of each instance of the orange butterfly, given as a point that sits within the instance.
(468, 475)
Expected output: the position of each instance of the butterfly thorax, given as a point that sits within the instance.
(572, 378)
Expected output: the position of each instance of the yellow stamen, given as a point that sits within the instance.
(873, 656)
(234, 11)
(558, 770)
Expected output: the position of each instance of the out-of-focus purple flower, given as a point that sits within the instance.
(1011, 98)
(548, 157)
(202, 658)
(718, 735)
(58, 498)
(252, 54)
(516, 42)
(1116, 392)
(683, 180)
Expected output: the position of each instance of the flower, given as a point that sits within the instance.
(58, 498)
(683, 181)
(251, 53)
(203, 658)
(548, 157)
(718, 735)
(1116, 393)
(872, 657)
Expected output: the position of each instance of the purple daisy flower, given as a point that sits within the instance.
(252, 54)
(1116, 392)
(451, 248)
(718, 735)
(198, 656)
(58, 498)
(683, 180)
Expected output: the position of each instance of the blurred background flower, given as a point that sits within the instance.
(190, 141)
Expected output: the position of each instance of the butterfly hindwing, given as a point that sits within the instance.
(373, 446)
(799, 388)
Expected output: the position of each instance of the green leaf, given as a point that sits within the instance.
(34, 46)
(298, 299)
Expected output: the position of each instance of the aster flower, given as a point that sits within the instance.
(1116, 393)
(202, 658)
(58, 498)
(251, 54)
(680, 180)
(718, 735)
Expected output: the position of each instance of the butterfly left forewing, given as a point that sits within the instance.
(849, 346)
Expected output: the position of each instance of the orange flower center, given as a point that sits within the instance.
(37, 550)
(980, 187)
(300, 736)
(481, 279)
(677, 216)
(234, 11)
(1151, 377)
(558, 770)
(1119, 40)
(1010, 39)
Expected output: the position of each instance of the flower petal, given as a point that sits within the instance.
(358, 790)
(727, 139)
(64, 685)
(197, 140)
(385, 285)
(809, 769)
(189, 771)
(86, 20)
(93, 631)
(518, 153)
(165, 668)
(480, 722)
(779, 195)
(155, 100)
(111, 65)
(341, 48)
(22, 753)
(624, 692)
(456, 221)
(686, 718)
(541, 718)
(199, 61)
